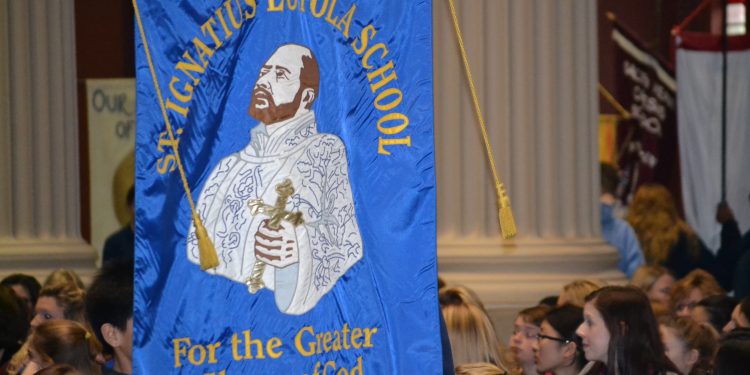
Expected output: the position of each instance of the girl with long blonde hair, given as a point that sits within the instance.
(470, 330)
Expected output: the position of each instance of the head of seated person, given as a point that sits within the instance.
(691, 289)
(64, 342)
(655, 281)
(63, 276)
(59, 299)
(740, 317)
(657, 223)
(109, 309)
(715, 311)
(14, 324)
(734, 351)
(575, 292)
(471, 333)
(558, 348)
(521, 344)
(689, 345)
(26, 288)
(619, 330)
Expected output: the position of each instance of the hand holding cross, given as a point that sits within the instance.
(274, 240)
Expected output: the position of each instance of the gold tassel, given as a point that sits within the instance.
(208, 256)
(507, 223)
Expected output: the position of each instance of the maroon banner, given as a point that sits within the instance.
(647, 142)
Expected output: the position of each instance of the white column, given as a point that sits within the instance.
(534, 66)
(6, 182)
(39, 192)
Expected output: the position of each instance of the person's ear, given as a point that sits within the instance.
(308, 97)
(569, 350)
(111, 335)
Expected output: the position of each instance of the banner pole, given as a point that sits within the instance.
(724, 101)
(611, 100)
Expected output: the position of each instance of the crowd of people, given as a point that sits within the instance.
(635, 329)
(589, 328)
(651, 231)
(61, 327)
(685, 310)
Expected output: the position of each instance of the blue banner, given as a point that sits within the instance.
(296, 136)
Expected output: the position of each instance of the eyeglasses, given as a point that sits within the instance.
(541, 337)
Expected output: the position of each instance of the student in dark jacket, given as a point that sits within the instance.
(742, 269)
(731, 250)
(120, 246)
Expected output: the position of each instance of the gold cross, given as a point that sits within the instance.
(277, 213)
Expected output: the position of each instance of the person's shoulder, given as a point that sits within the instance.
(123, 236)
(228, 160)
(326, 142)
(593, 368)
(124, 232)
(224, 165)
(329, 138)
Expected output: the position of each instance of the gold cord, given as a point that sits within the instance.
(507, 223)
(208, 256)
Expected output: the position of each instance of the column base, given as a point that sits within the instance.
(39, 258)
(514, 274)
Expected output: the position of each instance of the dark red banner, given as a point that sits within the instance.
(647, 142)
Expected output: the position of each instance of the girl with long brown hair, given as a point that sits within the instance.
(619, 331)
(64, 342)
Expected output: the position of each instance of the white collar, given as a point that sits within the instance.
(282, 136)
